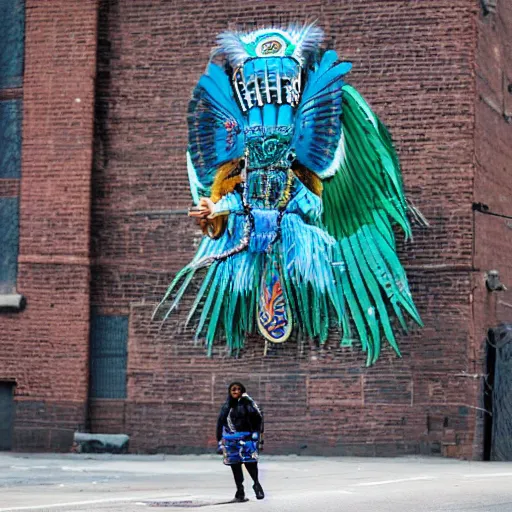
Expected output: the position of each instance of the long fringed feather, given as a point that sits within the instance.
(215, 127)
(318, 118)
(359, 202)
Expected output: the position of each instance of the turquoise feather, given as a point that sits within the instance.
(359, 202)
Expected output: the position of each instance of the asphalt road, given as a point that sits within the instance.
(292, 484)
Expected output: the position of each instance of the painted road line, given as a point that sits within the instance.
(487, 475)
(397, 481)
(95, 502)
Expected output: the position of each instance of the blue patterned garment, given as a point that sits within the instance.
(239, 447)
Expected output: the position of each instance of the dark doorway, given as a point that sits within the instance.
(6, 414)
(498, 395)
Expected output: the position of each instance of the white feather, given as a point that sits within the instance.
(195, 185)
(232, 47)
(339, 158)
(306, 38)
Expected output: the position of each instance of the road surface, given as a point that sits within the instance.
(61, 483)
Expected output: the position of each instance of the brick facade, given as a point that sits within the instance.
(492, 235)
(45, 348)
(430, 73)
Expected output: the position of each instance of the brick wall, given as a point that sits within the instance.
(493, 183)
(45, 348)
(415, 64)
(493, 154)
(437, 76)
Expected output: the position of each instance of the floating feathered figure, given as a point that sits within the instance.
(297, 187)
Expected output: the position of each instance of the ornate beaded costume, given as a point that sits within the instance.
(297, 186)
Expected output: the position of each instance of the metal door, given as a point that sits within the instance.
(108, 357)
(501, 440)
(6, 415)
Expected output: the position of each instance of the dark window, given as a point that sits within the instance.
(8, 243)
(12, 30)
(6, 414)
(10, 138)
(109, 338)
(12, 21)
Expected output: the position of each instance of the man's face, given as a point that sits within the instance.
(236, 391)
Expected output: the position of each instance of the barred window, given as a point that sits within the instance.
(12, 28)
(108, 356)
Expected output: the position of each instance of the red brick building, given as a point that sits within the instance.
(100, 192)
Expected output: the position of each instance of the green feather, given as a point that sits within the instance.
(360, 203)
(202, 290)
(172, 286)
(212, 292)
(215, 314)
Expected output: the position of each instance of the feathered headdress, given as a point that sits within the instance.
(296, 41)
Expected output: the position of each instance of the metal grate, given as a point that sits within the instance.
(109, 338)
(12, 28)
(10, 138)
(188, 503)
(8, 243)
(502, 395)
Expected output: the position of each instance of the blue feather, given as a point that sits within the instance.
(318, 122)
(215, 125)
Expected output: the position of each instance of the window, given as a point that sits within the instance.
(8, 243)
(108, 356)
(12, 28)
(6, 414)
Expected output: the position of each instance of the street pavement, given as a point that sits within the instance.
(129, 483)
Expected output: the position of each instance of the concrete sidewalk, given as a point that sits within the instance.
(136, 483)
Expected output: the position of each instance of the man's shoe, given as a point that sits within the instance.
(258, 490)
(240, 494)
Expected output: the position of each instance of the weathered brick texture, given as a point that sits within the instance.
(415, 65)
(493, 182)
(437, 75)
(45, 348)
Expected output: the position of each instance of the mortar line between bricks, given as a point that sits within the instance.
(137, 264)
(56, 259)
(441, 266)
(159, 212)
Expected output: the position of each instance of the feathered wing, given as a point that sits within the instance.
(216, 144)
(317, 136)
(215, 130)
(362, 201)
